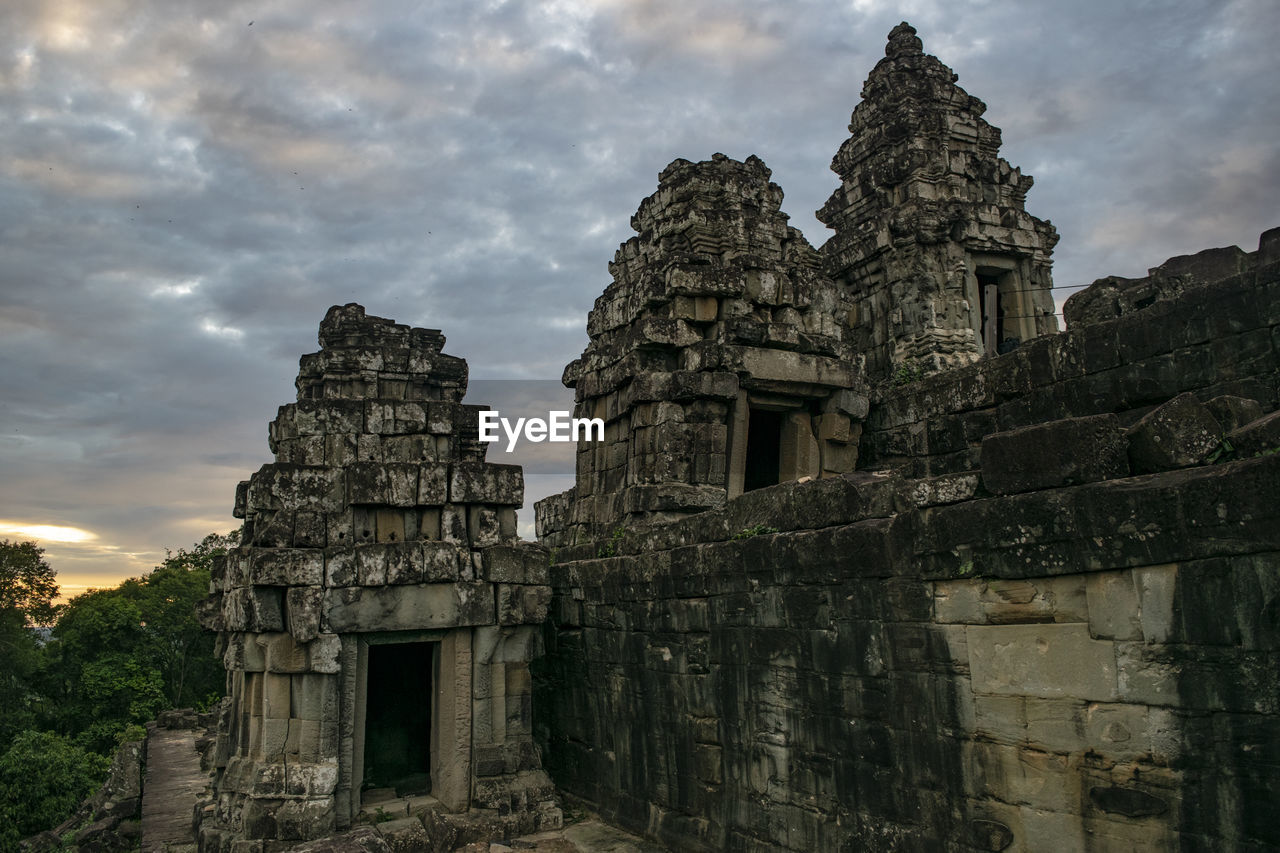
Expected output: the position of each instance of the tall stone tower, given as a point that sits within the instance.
(717, 359)
(378, 619)
(932, 245)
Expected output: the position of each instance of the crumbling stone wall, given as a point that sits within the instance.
(716, 307)
(933, 245)
(1211, 340)
(1048, 621)
(378, 523)
(1113, 296)
(917, 665)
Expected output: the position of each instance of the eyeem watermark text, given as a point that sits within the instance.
(559, 426)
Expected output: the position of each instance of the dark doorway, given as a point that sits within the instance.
(764, 449)
(992, 308)
(397, 734)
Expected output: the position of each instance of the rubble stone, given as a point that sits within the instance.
(1175, 435)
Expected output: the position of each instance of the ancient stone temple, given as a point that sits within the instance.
(718, 358)
(869, 555)
(932, 246)
(378, 620)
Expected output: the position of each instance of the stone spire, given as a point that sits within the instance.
(932, 243)
(715, 304)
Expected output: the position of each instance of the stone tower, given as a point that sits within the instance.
(717, 358)
(932, 245)
(378, 619)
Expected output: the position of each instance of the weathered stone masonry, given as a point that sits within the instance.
(1043, 613)
(1034, 650)
(378, 620)
(870, 557)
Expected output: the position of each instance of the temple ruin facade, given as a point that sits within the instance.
(871, 556)
(378, 620)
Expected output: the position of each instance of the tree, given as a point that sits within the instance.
(27, 590)
(43, 777)
(182, 649)
(120, 655)
(27, 582)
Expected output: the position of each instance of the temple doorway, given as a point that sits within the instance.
(397, 744)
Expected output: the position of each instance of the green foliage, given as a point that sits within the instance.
(21, 657)
(754, 530)
(1223, 450)
(610, 548)
(120, 655)
(114, 659)
(908, 372)
(27, 582)
(43, 777)
(27, 590)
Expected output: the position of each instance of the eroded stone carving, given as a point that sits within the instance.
(933, 246)
(717, 315)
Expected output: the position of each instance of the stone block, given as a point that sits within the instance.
(847, 402)
(1146, 677)
(323, 654)
(486, 483)
(1056, 725)
(433, 484)
(519, 604)
(406, 835)
(282, 653)
(1046, 661)
(453, 526)
(1023, 776)
(404, 562)
(1257, 437)
(441, 561)
(1061, 453)
(340, 567)
(302, 611)
(1000, 719)
(1156, 588)
(1178, 434)
(240, 652)
(524, 563)
(290, 487)
(270, 566)
(999, 601)
(484, 526)
(253, 609)
(944, 489)
(833, 427)
(1114, 612)
(408, 608)
(1233, 412)
(371, 564)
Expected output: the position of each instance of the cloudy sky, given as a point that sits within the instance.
(187, 185)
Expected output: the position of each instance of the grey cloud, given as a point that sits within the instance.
(473, 167)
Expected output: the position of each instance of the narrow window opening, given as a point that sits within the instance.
(764, 449)
(397, 751)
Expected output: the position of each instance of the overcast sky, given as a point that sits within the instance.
(186, 187)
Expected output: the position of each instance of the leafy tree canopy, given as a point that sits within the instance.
(43, 777)
(27, 582)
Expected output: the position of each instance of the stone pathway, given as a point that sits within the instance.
(173, 783)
